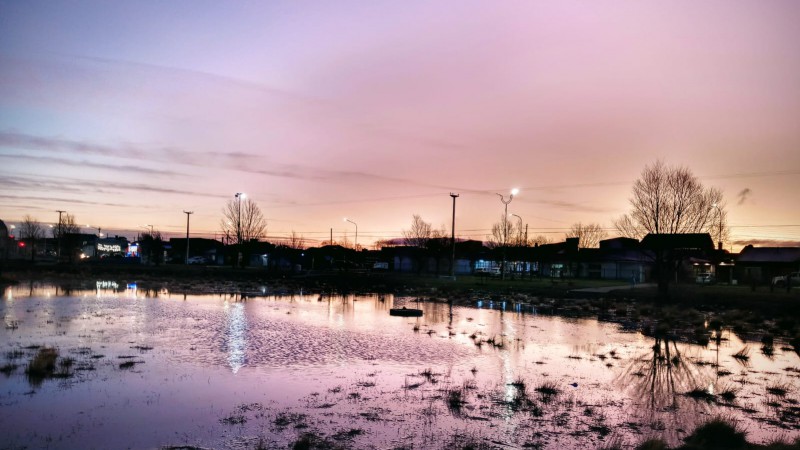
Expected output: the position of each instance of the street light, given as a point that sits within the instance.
(453, 239)
(188, 213)
(356, 240)
(239, 196)
(514, 192)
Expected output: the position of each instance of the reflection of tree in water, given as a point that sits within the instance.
(657, 382)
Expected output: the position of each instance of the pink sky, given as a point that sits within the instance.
(126, 114)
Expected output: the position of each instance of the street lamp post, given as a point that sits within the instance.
(356, 240)
(514, 192)
(239, 196)
(60, 231)
(188, 213)
(453, 239)
(519, 234)
(719, 232)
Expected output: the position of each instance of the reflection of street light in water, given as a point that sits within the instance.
(236, 335)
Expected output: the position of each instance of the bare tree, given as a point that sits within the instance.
(589, 235)
(30, 231)
(671, 200)
(419, 233)
(501, 233)
(296, 241)
(539, 240)
(65, 232)
(243, 220)
(66, 225)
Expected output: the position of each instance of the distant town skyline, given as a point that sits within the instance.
(127, 114)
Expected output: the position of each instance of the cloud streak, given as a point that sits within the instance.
(89, 164)
(90, 187)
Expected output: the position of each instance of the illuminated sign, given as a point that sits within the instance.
(107, 285)
(109, 248)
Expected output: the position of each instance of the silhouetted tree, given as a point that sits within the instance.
(153, 247)
(296, 241)
(671, 200)
(66, 233)
(30, 231)
(539, 240)
(501, 233)
(589, 235)
(243, 220)
(500, 239)
(419, 233)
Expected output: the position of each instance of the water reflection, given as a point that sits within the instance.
(346, 352)
(236, 336)
(658, 381)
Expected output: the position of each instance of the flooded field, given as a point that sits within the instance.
(118, 368)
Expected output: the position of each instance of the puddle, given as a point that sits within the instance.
(151, 369)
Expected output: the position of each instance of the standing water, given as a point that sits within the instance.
(118, 368)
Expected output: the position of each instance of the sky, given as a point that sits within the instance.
(126, 114)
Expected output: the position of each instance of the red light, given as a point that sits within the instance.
(22, 244)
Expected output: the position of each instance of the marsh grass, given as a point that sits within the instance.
(743, 354)
(233, 419)
(429, 375)
(129, 364)
(43, 366)
(285, 419)
(8, 368)
(548, 389)
(779, 389)
(699, 393)
(729, 393)
(455, 399)
(716, 433)
(518, 383)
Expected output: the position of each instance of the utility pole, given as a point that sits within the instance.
(331, 241)
(453, 239)
(188, 213)
(60, 230)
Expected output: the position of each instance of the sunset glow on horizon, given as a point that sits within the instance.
(129, 113)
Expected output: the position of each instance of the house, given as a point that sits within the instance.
(759, 264)
(209, 249)
(617, 259)
(557, 260)
(676, 253)
(6, 242)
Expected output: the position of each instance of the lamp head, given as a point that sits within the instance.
(514, 191)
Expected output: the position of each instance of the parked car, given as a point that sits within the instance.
(197, 260)
(794, 277)
(704, 278)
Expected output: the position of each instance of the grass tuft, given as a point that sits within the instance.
(717, 434)
(743, 354)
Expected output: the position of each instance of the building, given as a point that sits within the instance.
(756, 265)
